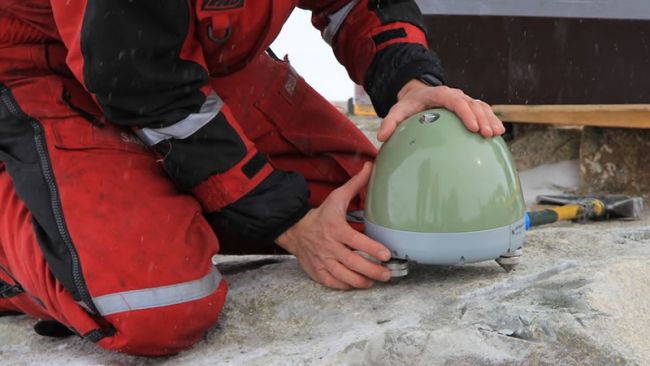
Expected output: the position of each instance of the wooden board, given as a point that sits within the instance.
(601, 115)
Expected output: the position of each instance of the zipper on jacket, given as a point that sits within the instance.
(46, 169)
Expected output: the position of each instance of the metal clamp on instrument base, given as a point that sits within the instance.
(398, 267)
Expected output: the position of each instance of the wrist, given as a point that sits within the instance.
(411, 85)
(288, 240)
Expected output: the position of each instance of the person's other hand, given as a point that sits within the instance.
(417, 96)
(324, 243)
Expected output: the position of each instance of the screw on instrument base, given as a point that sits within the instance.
(398, 267)
(511, 260)
(429, 118)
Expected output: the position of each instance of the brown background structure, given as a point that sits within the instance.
(533, 60)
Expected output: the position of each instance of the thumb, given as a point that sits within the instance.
(356, 183)
(398, 113)
(387, 127)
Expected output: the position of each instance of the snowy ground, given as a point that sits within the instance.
(580, 297)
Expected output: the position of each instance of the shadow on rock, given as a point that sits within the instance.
(233, 267)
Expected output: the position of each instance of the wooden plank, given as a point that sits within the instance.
(601, 115)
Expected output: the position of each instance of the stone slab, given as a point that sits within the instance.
(580, 297)
(615, 160)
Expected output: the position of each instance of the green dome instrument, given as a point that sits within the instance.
(440, 194)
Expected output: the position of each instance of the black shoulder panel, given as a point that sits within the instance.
(131, 61)
(390, 11)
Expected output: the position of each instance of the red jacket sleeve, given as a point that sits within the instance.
(143, 65)
(382, 43)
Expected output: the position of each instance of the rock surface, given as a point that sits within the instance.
(580, 297)
(615, 160)
(535, 145)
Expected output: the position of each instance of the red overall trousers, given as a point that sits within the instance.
(139, 247)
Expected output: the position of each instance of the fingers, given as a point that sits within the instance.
(467, 115)
(489, 124)
(345, 269)
(387, 127)
(326, 238)
(484, 122)
(350, 189)
(326, 279)
(497, 125)
(358, 241)
(357, 263)
(363, 266)
(346, 275)
(397, 114)
(476, 115)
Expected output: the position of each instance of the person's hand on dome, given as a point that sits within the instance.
(416, 96)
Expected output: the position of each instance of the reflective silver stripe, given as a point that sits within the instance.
(336, 20)
(158, 296)
(185, 127)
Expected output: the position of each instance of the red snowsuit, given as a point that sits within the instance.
(130, 130)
